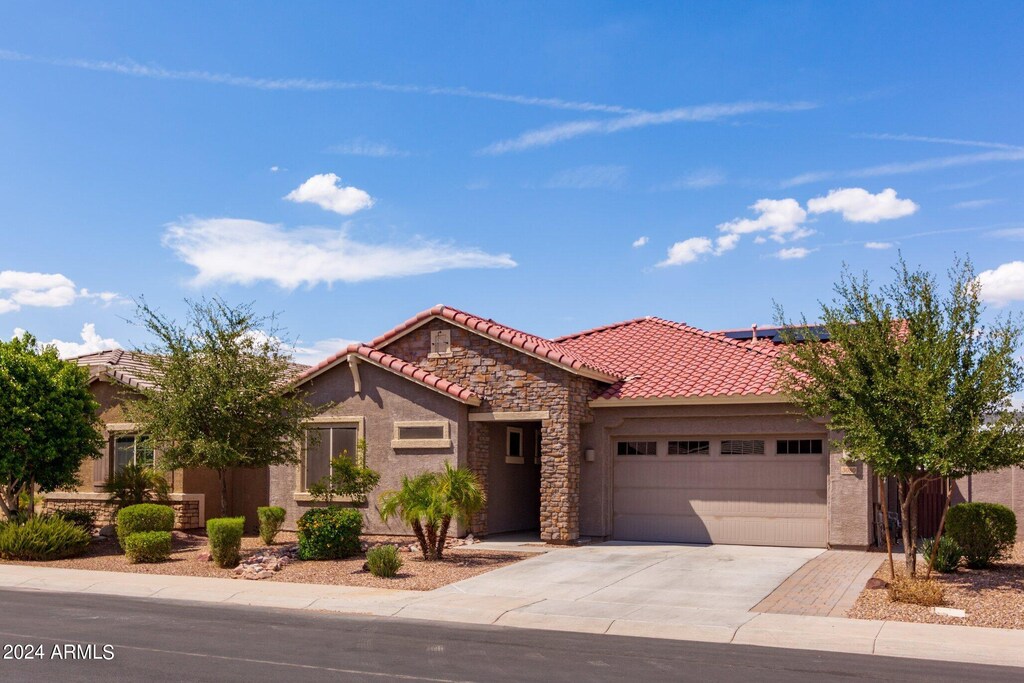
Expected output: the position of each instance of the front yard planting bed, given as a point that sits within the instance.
(187, 548)
(991, 597)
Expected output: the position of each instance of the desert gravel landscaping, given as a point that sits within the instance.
(991, 597)
(106, 555)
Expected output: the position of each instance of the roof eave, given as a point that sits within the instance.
(723, 399)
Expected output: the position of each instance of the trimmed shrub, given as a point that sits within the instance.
(271, 519)
(225, 534)
(80, 518)
(383, 561)
(329, 533)
(984, 531)
(947, 557)
(915, 591)
(42, 538)
(144, 517)
(145, 547)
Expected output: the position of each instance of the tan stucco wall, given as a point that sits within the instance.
(1004, 486)
(849, 503)
(385, 399)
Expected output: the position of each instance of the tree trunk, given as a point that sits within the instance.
(942, 525)
(31, 497)
(431, 529)
(907, 500)
(445, 523)
(417, 529)
(883, 497)
(222, 474)
(9, 503)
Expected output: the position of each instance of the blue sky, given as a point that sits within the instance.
(554, 166)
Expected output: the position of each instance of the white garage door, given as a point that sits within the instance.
(768, 499)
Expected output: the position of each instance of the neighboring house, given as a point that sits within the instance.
(114, 376)
(646, 430)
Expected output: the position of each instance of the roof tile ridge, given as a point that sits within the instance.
(716, 336)
(599, 328)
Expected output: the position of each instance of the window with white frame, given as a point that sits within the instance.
(514, 446)
(132, 449)
(422, 434)
(324, 442)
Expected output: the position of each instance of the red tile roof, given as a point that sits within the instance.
(661, 359)
(396, 365)
(131, 368)
(547, 349)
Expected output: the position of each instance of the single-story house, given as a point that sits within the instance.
(646, 430)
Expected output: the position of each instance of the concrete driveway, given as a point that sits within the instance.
(629, 587)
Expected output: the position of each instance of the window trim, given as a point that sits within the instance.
(669, 442)
(514, 459)
(123, 434)
(764, 447)
(636, 440)
(301, 494)
(444, 442)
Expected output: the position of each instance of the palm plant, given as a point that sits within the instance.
(136, 483)
(430, 501)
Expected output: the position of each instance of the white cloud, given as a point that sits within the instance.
(860, 206)
(47, 290)
(879, 245)
(698, 180)
(687, 251)
(313, 353)
(325, 190)
(782, 218)
(275, 169)
(361, 147)
(975, 203)
(132, 68)
(589, 177)
(726, 243)
(549, 135)
(246, 251)
(792, 253)
(640, 241)
(1003, 285)
(91, 343)
(900, 168)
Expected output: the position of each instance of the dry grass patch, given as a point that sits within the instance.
(915, 591)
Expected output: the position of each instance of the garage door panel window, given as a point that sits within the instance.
(799, 447)
(636, 448)
(689, 448)
(743, 447)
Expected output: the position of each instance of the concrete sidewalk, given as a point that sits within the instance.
(930, 641)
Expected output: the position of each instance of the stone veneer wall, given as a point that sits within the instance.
(186, 512)
(510, 380)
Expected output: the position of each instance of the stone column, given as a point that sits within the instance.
(478, 457)
(559, 480)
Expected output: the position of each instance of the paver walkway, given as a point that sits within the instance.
(827, 586)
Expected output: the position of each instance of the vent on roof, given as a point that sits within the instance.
(440, 342)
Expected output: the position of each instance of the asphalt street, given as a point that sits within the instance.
(75, 637)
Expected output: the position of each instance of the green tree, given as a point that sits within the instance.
(918, 386)
(429, 502)
(48, 422)
(348, 478)
(217, 393)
